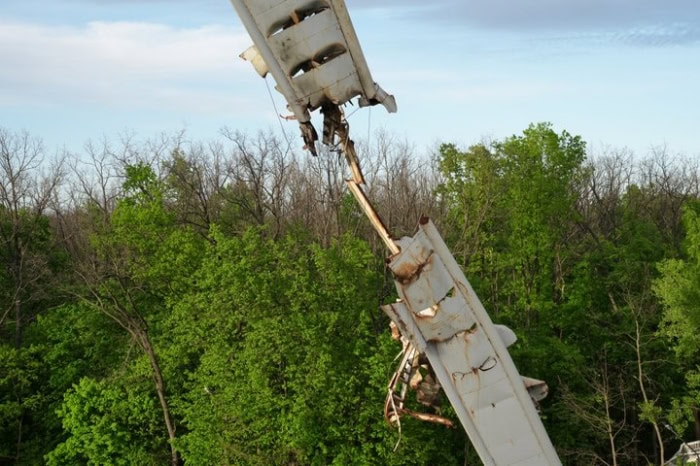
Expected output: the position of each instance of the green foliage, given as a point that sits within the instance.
(77, 342)
(21, 399)
(512, 204)
(650, 412)
(679, 290)
(290, 369)
(574, 286)
(108, 424)
(269, 340)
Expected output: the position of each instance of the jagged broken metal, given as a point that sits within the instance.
(311, 49)
(441, 316)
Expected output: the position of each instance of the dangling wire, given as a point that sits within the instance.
(352, 113)
(279, 117)
(369, 128)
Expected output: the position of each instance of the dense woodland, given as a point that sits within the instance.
(178, 302)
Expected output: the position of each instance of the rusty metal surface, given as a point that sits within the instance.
(427, 417)
(440, 315)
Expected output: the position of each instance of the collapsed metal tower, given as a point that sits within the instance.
(311, 49)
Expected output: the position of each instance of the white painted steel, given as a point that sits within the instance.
(311, 49)
(243, 8)
(442, 317)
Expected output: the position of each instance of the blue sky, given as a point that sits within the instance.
(621, 73)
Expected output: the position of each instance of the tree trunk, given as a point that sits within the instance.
(18, 450)
(160, 390)
(18, 325)
(642, 388)
(18, 344)
(608, 418)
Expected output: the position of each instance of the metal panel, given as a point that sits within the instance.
(252, 14)
(302, 43)
(272, 15)
(311, 49)
(334, 82)
(442, 317)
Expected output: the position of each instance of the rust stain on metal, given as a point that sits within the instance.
(409, 272)
(489, 364)
(398, 321)
(428, 313)
(427, 417)
(464, 290)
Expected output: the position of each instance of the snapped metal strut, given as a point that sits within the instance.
(335, 124)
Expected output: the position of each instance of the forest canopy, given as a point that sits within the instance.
(178, 302)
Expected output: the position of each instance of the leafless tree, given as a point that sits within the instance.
(104, 274)
(600, 413)
(197, 177)
(259, 175)
(28, 185)
(29, 182)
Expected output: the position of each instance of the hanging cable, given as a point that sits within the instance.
(279, 117)
(369, 128)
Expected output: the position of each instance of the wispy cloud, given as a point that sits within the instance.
(635, 22)
(661, 35)
(119, 63)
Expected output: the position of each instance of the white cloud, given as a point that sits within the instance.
(634, 22)
(126, 64)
